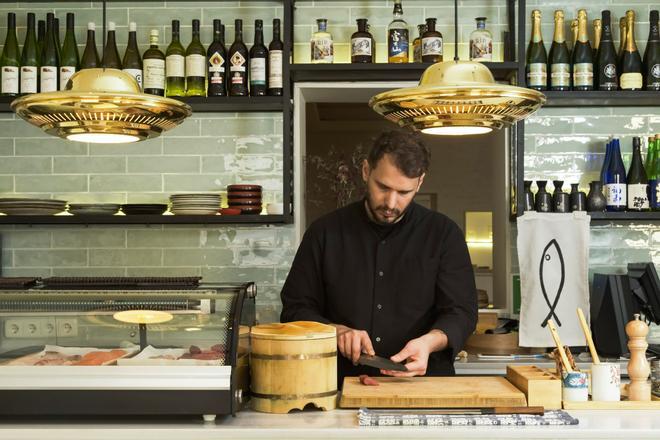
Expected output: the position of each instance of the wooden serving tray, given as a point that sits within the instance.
(622, 404)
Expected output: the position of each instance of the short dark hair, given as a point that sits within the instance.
(406, 149)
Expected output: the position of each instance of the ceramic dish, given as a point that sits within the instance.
(230, 211)
(251, 188)
(248, 209)
(251, 202)
(144, 209)
(244, 195)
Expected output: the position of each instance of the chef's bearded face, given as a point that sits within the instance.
(389, 190)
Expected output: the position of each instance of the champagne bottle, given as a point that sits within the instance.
(637, 181)
(175, 67)
(574, 31)
(195, 64)
(41, 37)
(258, 57)
(537, 59)
(606, 58)
(651, 60)
(90, 58)
(432, 48)
(361, 44)
(29, 60)
(153, 65)
(560, 62)
(132, 62)
(397, 36)
(238, 63)
(598, 32)
(615, 180)
(111, 58)
(583, 63)
(622, 41)
(275, 48)
(69, 62)
(631, 62)
(10, 60)
(50, 61)
(217, 57)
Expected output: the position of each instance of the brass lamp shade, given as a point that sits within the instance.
(101, 106)
(456, 98)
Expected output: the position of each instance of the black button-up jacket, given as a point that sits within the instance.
(396, 283)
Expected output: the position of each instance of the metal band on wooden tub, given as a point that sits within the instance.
(292, 357)
(293, 396)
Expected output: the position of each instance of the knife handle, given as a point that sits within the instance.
(534, 410)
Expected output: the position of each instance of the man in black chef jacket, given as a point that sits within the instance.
(393, 277)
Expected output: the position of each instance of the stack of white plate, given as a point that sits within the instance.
(195, 204)
(11, 206)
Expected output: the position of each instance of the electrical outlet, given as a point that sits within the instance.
(38, 327)
(48, 328)
(67, 327)
(13, 328)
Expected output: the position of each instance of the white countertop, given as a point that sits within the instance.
(317, 425)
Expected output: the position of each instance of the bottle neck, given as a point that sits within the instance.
(132, 39)
(598, 31)
(238, 34)
(91, 37)
(398, 10)
(175, 32)
(583, 37)
(70, 22)
(536, 29)
(195, 32)
(362, 26)
(430, 25)
(654, 32)
(607, 31)
(481, 24)
(11, 28)
(111, 38)
(630, 34)
(153, 42)
(259, 37)
(559, 36)
(276, 30)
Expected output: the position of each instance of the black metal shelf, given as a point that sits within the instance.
(598, 98)
(381, 71)
(625, 216)
(143, 219)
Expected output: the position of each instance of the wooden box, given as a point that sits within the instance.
(540, 386)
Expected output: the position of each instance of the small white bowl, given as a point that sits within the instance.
(275, 208)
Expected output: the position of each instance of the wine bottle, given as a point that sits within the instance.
(238, 63)
(132, 62)
(361, 43)
(69, 62)
(175, 66)
(111, 58)
(432, 47)
(560, 61)
(631, 62)
(651, 61)
(583, 63)
(598, 32)
(56, 30)
(397, 36)
(217, 56)
(258, 57)
(153, 65)
(622, 41)
(195, 64)
(655, 175)
(50, 61)
(29, 60)
(615, 180)
(606, 58)
(41, 37)
(537, 58)
(90, 58)
(10, 60)
(637, 181)
(275, 48)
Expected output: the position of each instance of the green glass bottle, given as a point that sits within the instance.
(655, 175)
(132, 62)
(50, 60)
(90, 58)
(70, 62)
(583, 57)
(10, 61)
(29, 60)
(56, 31)
(195, 64)
(153, 65)
(111, 58)
(537, 58)
(631, 61)
(559, 60)
(175, 66)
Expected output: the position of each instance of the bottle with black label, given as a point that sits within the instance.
(90, 58)
(560, 61)
(637, 181)
(195, 64)
(50, 61)
(397, 36)
(631, 61)
(258, 58)
(29, 60)
(275, 48)
(605, 65)
(651, 61)
(537, 58)
(361, 44)
(70, 61)
(153, 65)
(217, 60)
(10, 60)
(175, 64)
(432, 47)
(132, 61)
(583, 63)
(238, 63)
(111, 58)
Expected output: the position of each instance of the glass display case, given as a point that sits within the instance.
(125, 351)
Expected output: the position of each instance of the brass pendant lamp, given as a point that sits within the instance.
(101, 106)
(457, 98)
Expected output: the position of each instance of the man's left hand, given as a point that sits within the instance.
(416, 354)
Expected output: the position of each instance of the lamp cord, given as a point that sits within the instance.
(455, 29)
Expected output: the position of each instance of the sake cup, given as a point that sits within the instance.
(575, 386)
(606, 382)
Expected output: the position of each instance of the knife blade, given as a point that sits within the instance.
(380, 362)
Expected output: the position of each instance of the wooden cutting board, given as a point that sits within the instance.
(432, 392)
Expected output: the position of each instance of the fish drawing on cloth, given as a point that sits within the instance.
(552, 274)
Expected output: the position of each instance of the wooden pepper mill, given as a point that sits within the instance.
(638, 366)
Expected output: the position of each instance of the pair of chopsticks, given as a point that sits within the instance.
(587, 335)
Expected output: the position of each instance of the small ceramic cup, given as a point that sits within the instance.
(575, 387)
(606, 382)
(275, 208)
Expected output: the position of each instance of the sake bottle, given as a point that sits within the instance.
(637, 181)
(615, 180)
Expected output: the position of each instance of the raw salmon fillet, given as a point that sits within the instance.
(101, 357)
